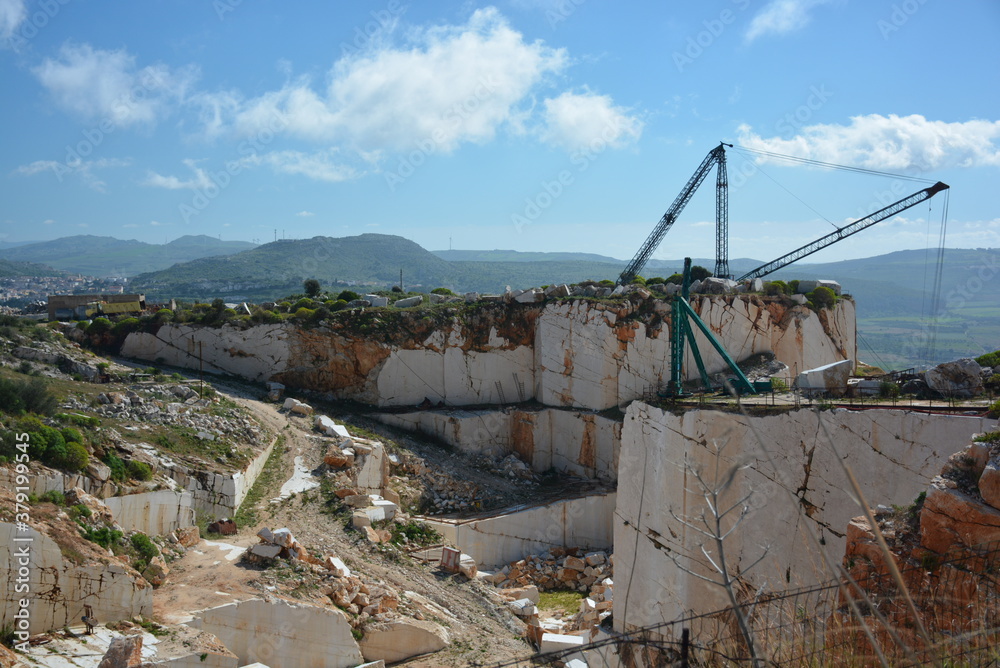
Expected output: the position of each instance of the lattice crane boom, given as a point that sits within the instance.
(715, 156)
(845, 231)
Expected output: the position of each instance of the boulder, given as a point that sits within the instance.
(960, 378)
(401, 639)
(336, 566)
(557, 291)
(810, 285)
(471, 297)
(124, 652)
(523, 607)
(715, 286)
(829, 377)
(951, 519)
(283, 537)
(801, 300)
(188, 536)
(530, 296)
(226, 527)
(989, 482)
(157, 571)
(408, 302)
(264, 551)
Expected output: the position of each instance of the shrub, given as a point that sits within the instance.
(638, 280)
(994, 411)
(117, 466)
(311, 287)
(396, 288)
(99, 327)
(105, 536)
(443, 291)
(303, 314)
(145, 547)
(993, 383)
(822, 297)
(888, 390)
(989, 359)
(348, 295)
(793, 286)
(305, 302)
(699, 273)
(73, 458)
(338, 305)
(139, 470)
(26, 396)
(676, 279)
(164, 315)
(53, 496)
(774, 288)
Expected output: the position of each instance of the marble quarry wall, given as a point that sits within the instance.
(589, 355)
(894, 454)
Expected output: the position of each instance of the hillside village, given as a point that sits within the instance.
(458, 480)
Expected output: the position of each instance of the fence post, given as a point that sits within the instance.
(685, 643)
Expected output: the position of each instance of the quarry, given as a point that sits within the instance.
(419, 483)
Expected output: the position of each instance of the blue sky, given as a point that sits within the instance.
(554, 125)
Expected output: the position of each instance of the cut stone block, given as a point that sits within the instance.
(555, 642)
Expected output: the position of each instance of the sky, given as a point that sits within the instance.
(532, 125)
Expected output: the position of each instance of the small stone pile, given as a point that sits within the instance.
(559, 568)
(364, 601)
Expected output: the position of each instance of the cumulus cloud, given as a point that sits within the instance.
(894, 143)
(84, 169)
(305, 214)
(12, 15)
(108, 85)
(198, 180)
(779, 17)
(446, 86)
(577, 120)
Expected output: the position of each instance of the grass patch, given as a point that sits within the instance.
(415, 534)
(267, 482)
(567, 600)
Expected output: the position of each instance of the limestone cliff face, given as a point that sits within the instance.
(59, 588)
(893, 454)
(573, 354)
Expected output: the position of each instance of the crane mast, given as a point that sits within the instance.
(716, 156)
(845, 231)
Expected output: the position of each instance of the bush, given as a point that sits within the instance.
(822, 297)
(26, 396)
(699, 273)
(99, 327)
(146, 548)
(311, 287)
(989, 359)
(139, 470)
(348, 296)
(676, 279)
(73, 458)
(338, 305)
(105, 537)
(305, 302)
(396, 288)
(993, 383)
(994, 411)
(638, 280)
(793, 286)
(53, 496)
(888, 390)
(164, 315)
(443, 291)
(118, 470)
(775, 288)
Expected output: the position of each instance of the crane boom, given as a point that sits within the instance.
(714, 156)
(845, 231)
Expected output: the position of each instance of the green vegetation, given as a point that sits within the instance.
(988, 437)
(145, 549)
(413, 533)
(994, 410)
(46, 444)
(103, 536)
(822, 297)
(139, 470)
(989, 359)
(560, 599)
(267, 482)
(26, 396)
(311, 287)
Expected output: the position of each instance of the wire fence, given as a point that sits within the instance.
(954, 620)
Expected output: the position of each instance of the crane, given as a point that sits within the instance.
(845, 231)
(715, 157)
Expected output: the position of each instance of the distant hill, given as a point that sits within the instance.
(10, 268)
(373, 260)
(107, 256)
(520, 256)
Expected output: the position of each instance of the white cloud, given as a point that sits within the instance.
(895, 143)
(779, 17)
(48, 221)
(85, 169)
(446, 86)
(156, 223)
(12, 15)
(108, 86)
(577, 120)
(323, 165)
(198, 181)
(305, 214)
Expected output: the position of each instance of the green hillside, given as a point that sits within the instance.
(11, 268)
(106, 256)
